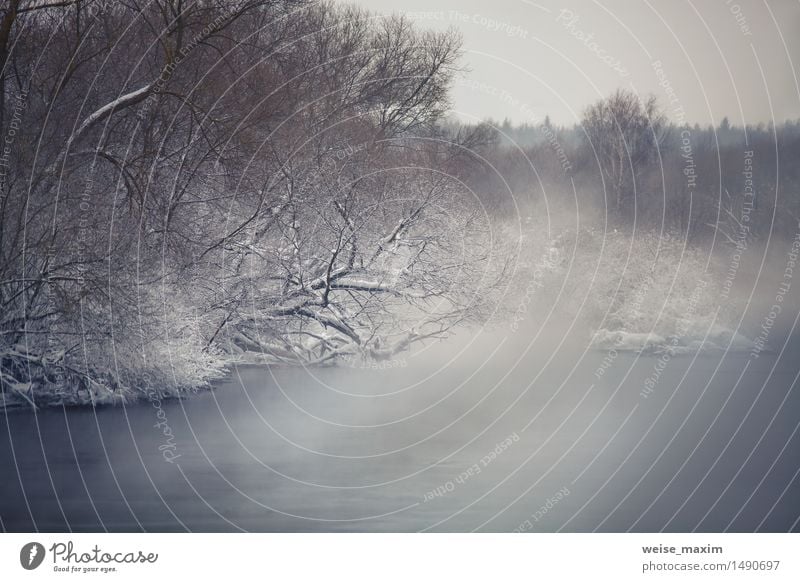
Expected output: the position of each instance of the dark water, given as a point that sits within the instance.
(714, 447)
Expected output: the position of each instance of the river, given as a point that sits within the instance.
(481, 433)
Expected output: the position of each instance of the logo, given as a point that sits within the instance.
(31, 555)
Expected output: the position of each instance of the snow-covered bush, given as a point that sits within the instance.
(638, 290)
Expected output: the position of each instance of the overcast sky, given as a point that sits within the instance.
(703, 59)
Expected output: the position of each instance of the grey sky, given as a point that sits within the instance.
(739, 58)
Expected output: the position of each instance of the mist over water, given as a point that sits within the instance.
(492, 430)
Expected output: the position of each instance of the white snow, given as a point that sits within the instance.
(627, 341)
(697, 339)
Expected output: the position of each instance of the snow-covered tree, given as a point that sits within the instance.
(189, 179)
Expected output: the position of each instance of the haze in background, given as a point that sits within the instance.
(531, 59)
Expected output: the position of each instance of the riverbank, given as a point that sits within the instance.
(54, 383)
(339, 449)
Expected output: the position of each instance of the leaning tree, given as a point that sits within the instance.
(194, 178)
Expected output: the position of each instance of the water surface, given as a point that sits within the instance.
(485, 432)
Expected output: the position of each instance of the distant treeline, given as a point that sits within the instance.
(630, 165)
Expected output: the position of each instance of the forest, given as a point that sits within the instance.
(189, 184)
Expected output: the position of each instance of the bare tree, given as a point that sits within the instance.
(190, 178)
(623, 134)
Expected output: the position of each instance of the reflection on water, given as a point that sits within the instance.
(485, 433)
